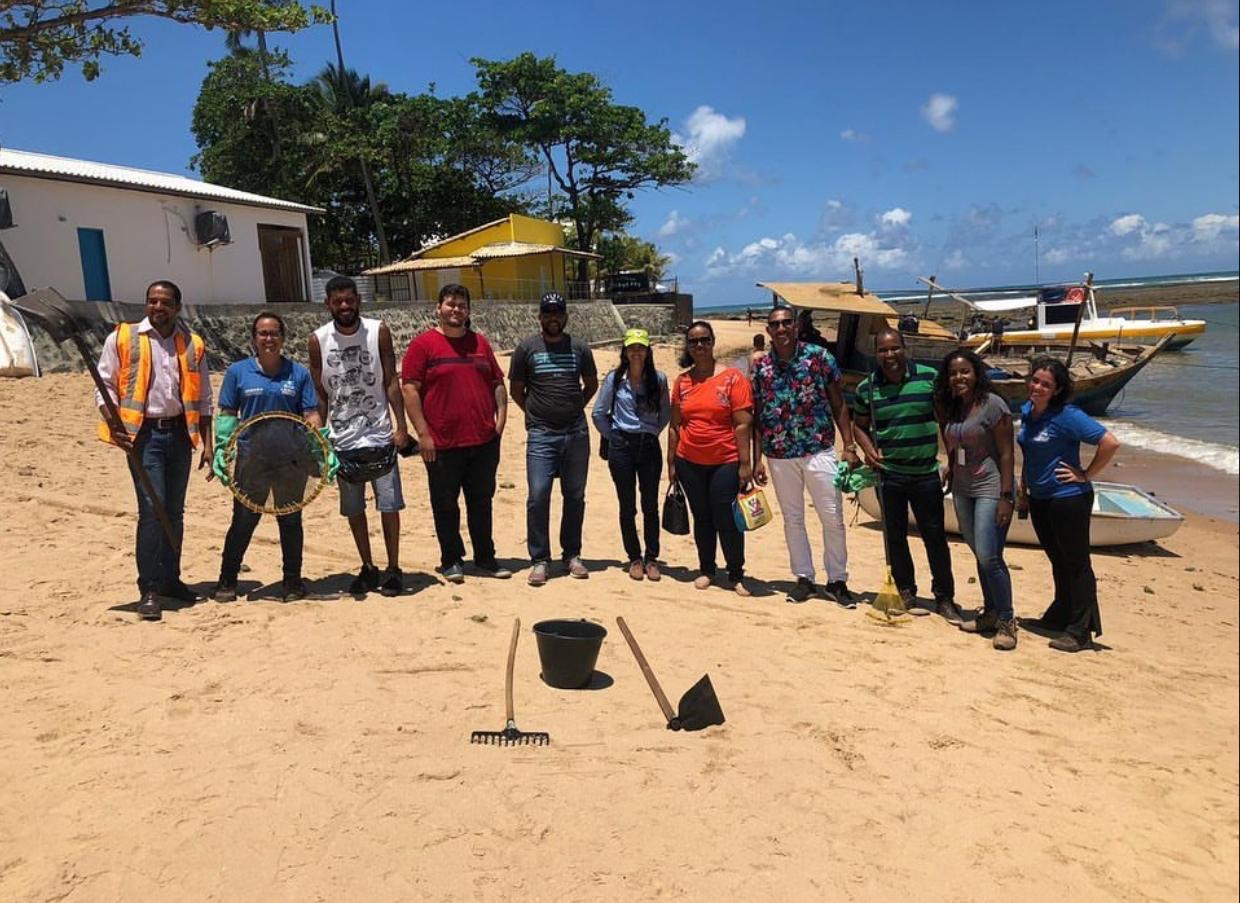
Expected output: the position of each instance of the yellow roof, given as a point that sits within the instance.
(837, 296)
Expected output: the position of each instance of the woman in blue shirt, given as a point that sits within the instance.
(631, 410)
(1060, 498)
(266, 382)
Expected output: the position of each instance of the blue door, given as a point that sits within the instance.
(94, 265)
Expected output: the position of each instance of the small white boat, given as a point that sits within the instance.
(17, 356)
(1123, 515)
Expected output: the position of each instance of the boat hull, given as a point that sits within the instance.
(1182, 334)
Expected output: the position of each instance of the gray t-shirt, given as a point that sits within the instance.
(972, 450)
(553, 373)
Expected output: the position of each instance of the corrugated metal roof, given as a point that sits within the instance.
(66, 169)
(837, 296)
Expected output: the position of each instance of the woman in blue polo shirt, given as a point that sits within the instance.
(266, 382)
(1060, 498)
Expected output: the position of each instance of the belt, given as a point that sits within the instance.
(164, 424)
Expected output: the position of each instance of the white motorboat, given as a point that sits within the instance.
(1123, 515)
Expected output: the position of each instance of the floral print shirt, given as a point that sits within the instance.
(791, 405)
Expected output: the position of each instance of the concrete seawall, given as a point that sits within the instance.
(226, 327)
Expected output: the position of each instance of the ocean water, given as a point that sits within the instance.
(1187, 403)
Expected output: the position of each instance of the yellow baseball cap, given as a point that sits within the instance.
(637, 337)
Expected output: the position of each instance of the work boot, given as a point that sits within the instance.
(912, 604)
(577, 568)
(985, 623)
(949, 610)
(1005, 635)
(1070, 643)
(225, 591)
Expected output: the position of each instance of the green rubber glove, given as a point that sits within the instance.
(333, 463)
(849, 479)
(225, 426)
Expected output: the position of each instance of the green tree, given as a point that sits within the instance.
(596, 153)
(622, 251)
(38, 38)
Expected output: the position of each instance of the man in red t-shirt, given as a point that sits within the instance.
(455, 397)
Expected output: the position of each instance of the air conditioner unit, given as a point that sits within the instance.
(6, 211)
(211, 228)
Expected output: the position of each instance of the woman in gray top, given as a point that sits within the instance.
(977, 431)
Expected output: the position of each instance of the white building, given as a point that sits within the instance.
(98, 232)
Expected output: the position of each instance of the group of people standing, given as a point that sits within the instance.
(727, 432)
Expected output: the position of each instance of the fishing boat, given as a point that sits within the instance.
(1051, 315)
(17, 355)
(1123, 515)
(1099, 372)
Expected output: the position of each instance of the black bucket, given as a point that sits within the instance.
(567, 651)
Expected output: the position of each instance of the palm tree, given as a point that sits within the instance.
(234, 40)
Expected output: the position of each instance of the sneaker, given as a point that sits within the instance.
(637, 570)
(801, 590)
(838, 592)
(493, 569)
(294, 589)
(394, 582)
(538, 574)
(985, 623)
(366, 581)
(912, 604)
(576, 568)
(653, 574)
(225, 591)
(1069, 643)
(1005, 635)
(949, 610)
(454, 573)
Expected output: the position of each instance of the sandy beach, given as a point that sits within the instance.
(319, 750)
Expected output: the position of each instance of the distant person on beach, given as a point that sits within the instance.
(893, 410)
(977, 432)
(631, 410)
(758, 352)
(455, 397)
(354, 369)
(798, 402)
(807, 331)
(156, 373)
(1060, 499)
(708, 452)
(552, 377)
(266, 382)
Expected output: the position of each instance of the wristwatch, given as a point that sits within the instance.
(1010, 495)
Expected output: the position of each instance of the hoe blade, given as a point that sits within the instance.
(47, 308)
(699, 708)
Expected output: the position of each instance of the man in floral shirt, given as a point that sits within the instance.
(798, 401)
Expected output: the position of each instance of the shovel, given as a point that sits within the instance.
(510, 736)
(699, 707)
(49, 310)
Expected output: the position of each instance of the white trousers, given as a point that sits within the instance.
(792, 476)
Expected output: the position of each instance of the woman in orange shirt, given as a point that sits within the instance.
(708, 452)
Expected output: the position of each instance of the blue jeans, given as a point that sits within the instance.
(167, 456)
(549, 455)
(976, 517)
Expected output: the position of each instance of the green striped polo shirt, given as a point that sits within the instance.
(903, 423)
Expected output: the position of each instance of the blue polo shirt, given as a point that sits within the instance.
(250, 391)
(1053, 438)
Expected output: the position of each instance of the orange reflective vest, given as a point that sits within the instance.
(134, 378)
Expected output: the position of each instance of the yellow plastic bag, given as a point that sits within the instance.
(750, 510)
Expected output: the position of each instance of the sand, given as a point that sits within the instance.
(319, 750)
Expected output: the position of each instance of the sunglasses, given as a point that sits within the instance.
(782, 324)
(700, 340)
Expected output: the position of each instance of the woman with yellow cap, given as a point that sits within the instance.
(631, 410)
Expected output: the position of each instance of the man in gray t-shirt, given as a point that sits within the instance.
(552, 378)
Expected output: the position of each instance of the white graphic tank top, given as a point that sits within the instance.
(357, 411)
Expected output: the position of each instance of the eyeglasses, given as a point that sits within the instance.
(782, 324)
(267, 334)
(700, 340)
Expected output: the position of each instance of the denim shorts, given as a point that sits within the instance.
(388, 497)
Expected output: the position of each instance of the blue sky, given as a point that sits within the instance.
(918, 139)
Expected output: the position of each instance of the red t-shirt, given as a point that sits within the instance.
(458, 378)
(706, 433)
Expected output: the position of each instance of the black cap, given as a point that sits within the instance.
(552, 303)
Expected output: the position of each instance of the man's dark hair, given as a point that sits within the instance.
(267, 315)
(779, 308)
(166, 285)
(339, 284)
(1063, 379)
(453, 290)
(888, 330)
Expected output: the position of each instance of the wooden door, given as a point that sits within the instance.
(283, 276)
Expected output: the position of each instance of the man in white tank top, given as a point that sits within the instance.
(355, 375)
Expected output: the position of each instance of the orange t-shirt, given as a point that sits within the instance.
(706, 433)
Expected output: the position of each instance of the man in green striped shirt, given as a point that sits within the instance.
(896, 427)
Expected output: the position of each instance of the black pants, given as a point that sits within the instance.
(238, 540)
(924, 495)
(472, 470)
(1062, 526)
(636, 462)
(711, 490)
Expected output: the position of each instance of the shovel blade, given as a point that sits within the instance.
(699, 707)
(48, 309)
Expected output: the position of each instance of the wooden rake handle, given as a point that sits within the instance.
(659, 695)
(512, 661)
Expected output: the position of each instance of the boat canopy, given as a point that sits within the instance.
(1000, 305)
(834, 296)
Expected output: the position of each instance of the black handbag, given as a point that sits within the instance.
(361, 465)
(675, 511)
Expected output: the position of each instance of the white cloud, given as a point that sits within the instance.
(940, 112)
(852, 135)
(674, 223)
(823, 259)
(835, 204)
(709, 138)
(1184, 18)
(896, 216)
(1209, 227)
(955, 261)
(1126, 225)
